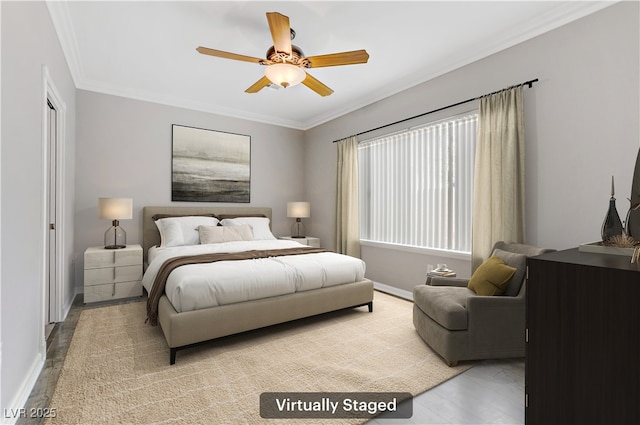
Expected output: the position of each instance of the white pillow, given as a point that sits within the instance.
(218, 234)
(179, 231)
(260, 226)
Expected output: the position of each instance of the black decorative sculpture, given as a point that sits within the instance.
(632, 222)
(612, 225)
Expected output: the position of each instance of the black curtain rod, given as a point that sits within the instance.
(526, 83)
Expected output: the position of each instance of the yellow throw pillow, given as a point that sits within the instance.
(492, 277)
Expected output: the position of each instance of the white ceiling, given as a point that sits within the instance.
(146, 50)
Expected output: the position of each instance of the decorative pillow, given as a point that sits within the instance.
(156, 217)
(218, 234)
(259, 225)
(519, 261)
(179, 231)
(224, 216)
(492, 277)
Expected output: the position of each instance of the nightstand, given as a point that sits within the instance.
(308, 240)
(111, 274)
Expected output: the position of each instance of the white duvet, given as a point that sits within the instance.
(198, 286)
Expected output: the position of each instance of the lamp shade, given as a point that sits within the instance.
(284, 74)
(298, 209)
(115, 208)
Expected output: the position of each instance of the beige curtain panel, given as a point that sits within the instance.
(498, 196)
(347, 202)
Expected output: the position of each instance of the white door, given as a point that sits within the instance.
(51, 286)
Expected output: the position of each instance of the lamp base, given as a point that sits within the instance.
(297, 230)
(115, 237)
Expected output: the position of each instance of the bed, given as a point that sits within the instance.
(240, 306)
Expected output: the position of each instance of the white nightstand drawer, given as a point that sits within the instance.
(98, 257)
(308, 240)
(112, 274)
(112, 291)
(314, 242)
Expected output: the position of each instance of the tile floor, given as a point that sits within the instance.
(57, 345)
(491, 392)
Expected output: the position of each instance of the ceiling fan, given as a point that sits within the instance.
(285, 63)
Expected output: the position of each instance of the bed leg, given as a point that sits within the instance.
(370, 307)
(172, 356)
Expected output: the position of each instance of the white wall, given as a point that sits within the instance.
(582, 126)
(124, 150)
(28, 42)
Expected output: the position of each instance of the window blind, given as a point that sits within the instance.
(416, 186)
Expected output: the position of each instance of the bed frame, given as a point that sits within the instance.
(186, 329)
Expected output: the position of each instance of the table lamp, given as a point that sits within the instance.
(115, 209)
(298, 210)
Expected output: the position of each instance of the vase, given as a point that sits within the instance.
(612, 225)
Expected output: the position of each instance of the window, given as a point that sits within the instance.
(416, 186)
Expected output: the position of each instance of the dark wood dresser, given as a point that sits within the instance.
(583, 339)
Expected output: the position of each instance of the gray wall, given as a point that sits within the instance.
(28, 42)
(581, 123)
(124, 150)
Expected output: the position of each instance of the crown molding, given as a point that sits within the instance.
(130, 93)
(562, 14)
(61, 18)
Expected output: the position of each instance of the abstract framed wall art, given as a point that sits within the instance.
(210, 166)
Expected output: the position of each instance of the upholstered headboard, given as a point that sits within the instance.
(151, 235)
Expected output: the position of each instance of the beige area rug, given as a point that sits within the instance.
(117, 369)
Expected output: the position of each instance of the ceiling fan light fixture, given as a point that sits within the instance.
(284, 74)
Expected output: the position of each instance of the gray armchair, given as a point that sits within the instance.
(460, 325)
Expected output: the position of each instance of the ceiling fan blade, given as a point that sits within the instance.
(315, 85)
(280, 31)
(336, 59)
(258, 85)
(227, 55)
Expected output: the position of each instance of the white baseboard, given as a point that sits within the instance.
(393, 290)
(14, 410)
(67, 307)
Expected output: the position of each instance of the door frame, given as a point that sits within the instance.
(51, 94)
